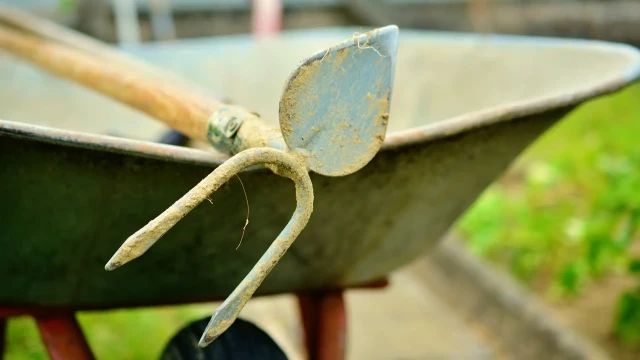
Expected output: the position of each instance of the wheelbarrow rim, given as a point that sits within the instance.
(508, 111)
(111, 144)
(413, 136)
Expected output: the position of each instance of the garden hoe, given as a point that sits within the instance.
(333, 117)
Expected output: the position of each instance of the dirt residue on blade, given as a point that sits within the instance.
(340, 56)
(381, 119)
(297, 96)
(380, 108)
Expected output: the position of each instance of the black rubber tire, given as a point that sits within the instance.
(242, 341)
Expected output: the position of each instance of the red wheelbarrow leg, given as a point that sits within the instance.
(3, 336)
(324, 320)
(63, 337)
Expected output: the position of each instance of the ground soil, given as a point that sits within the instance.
(592, 313)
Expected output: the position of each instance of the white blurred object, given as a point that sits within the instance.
(125, 14)
(162, 23)
(128, 25)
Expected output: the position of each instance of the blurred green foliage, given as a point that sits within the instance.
(568, 211)
(67, 5)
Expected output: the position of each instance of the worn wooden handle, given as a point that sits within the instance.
(43, 28)
(178, 107)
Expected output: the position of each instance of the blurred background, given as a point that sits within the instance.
(148, 20)
(561, 222)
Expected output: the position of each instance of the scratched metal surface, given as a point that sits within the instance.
(457, 121)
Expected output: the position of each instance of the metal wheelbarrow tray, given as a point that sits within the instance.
(466, 106)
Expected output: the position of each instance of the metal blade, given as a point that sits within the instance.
(335, 106)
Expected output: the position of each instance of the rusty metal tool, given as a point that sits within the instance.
(333, 116)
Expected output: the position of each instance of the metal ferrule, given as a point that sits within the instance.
(224, 133)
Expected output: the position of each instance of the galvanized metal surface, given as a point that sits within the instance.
(71, 210)
(71, 204)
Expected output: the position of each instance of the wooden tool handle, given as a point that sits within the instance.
(177, 107)
(45, 29)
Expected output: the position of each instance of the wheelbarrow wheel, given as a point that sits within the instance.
(242, 341)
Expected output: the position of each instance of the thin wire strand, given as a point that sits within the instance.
(246, 223)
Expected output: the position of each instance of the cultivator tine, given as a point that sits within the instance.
(284, 164)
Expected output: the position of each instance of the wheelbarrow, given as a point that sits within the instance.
(465, 107)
